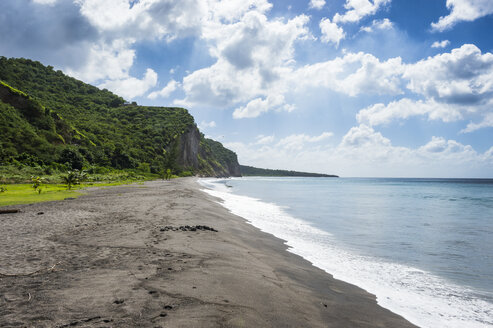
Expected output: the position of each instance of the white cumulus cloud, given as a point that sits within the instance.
(487, 122)
(253, 52)
(258, 106)
(357, 9)
(166, 91)
(205, 125)
(132, 87)
(378, 24)
(380, 114)
(440, 44)
(463, 76)
(353, 74)
(454, 85)
(316, 4)
(331, 32)
(463, 10)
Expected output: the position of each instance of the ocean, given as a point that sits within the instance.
(424, 247)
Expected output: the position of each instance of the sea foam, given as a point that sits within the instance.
(419, 296)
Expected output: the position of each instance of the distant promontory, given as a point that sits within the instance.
(254, 171)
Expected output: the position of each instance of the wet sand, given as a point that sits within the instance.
(117, 257)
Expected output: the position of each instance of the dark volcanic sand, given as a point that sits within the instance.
(118, 269)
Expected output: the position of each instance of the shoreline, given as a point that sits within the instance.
(118, 265)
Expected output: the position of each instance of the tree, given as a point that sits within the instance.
(121, 159)
(74, 177)
(70, 179)
(72, 157)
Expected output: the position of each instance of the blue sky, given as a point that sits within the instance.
(351, 87)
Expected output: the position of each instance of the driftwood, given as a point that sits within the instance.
(50, 269)
(15, 210)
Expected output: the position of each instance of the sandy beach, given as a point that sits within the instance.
(163, 254)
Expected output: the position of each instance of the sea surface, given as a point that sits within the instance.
(424, 247)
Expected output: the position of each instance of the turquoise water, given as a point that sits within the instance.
(423, 246)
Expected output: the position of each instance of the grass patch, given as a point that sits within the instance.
(17, 194)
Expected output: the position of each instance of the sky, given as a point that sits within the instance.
(372, 88)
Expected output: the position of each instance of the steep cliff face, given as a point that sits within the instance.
(189, 148)
(205, 156)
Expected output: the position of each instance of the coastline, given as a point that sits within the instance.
(118, 265)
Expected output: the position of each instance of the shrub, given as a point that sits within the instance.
(36, 181)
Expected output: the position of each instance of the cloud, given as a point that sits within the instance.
(94, 40)
(366, 152)
(120, 25)
(316, 4)
(204, 125)
(463, 10)
(357, 9)
(363, 135)
(259, 52)
(147, 19)
(289, 147)
(105, 62)
(166, 91)
(462, 76)
(54, 33)
(258, 106)
(262, 140)
(447, 148)
(331, 32)
(378, 24)
(252, 51)
(487, 122)
(353, 74)
(453, 85)
(440, 44)
(132, 87)
(297, 142)
(380, 114)
(45, 2)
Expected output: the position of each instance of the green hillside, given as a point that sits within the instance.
(54, 121)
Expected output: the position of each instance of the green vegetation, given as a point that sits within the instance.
(51, 124)
(36, 183)
(21, 173)
(253, 171)
(23, 193)
(70, 179)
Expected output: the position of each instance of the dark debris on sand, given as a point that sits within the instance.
(188, 228)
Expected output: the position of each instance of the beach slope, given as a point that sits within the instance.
(124, 257)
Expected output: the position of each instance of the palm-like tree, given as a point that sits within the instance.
(70, 179)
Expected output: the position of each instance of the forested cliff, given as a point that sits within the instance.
(49, 118)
